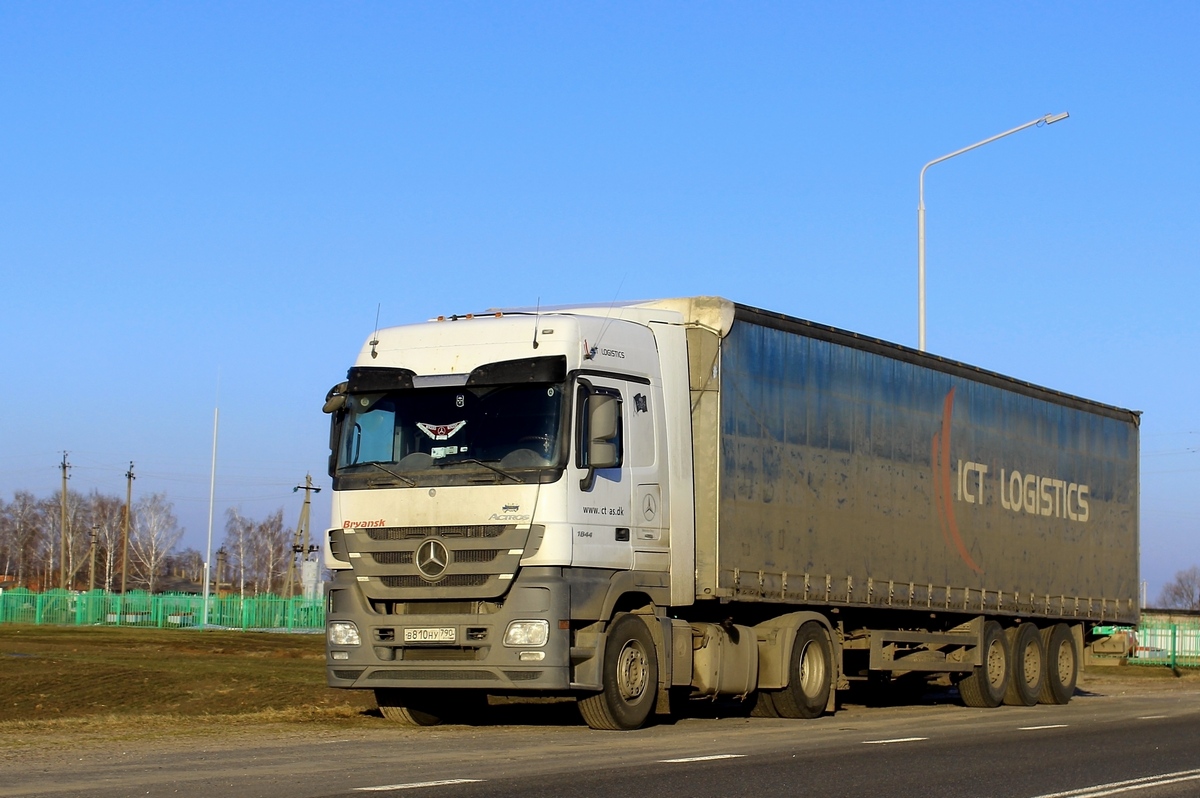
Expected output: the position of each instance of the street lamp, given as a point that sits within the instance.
(1048, 119)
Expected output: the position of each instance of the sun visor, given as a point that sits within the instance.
(370, 379)
(530, 369)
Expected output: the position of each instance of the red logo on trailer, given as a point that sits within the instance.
(941, 486)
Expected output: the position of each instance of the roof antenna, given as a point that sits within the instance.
(536, 315)
(591, 352)
(375, 338)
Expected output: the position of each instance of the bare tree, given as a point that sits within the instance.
(272, 544)
(24, 517)
(153, 534)
(257, 550)
(79, 539)
(186, 564)
(105, 516)
(238, 545)
(1183, 592)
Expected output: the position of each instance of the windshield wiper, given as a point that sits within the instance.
(412, 483)
(488, 466)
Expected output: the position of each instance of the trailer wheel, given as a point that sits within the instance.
(1062, 665)
(428, 707)
(630, 678)
(809, 675)
(1027, 666)
(987, 683)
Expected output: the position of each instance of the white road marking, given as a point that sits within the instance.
(414, 785)
(1152, 717)
(1129, 785)
(1039, 728)
(709, 758)
(895, 740)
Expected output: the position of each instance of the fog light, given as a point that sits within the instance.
(527, 633)
(533, 656)
(339, 655)
(342, 633)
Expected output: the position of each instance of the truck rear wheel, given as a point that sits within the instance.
(809, 672)
(1027, 665)
(987, 683)
(1062, 665)
(402, 706)
(764, 706)
(630, 678)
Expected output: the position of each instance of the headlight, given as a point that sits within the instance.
(342, 633)
(527, 633)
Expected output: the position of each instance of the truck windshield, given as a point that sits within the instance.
(501, 430)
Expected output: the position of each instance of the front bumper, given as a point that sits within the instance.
(476, 659)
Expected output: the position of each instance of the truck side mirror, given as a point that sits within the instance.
(336, 398)
(601, 437)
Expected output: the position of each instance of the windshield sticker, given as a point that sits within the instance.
(441, 432)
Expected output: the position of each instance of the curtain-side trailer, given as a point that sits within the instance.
(636, 503)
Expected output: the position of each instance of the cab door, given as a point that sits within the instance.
(601, 486)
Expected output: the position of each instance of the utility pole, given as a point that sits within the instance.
(62, 564)
(129, 478)
(301, 546)
(221, 558)
(92, 570)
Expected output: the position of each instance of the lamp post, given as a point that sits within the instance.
(1048, 119)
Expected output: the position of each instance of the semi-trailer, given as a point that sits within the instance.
(635, 503)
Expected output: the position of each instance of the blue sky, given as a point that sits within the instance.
(204, 193)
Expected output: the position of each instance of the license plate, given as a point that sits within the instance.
(430, 634)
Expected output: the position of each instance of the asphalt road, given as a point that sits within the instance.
(1118, 740)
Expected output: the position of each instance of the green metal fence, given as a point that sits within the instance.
(161, 610)
(1176, 645)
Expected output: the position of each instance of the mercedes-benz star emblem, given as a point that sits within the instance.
(432, 559)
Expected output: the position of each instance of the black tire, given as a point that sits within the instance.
(810, 675)
(986, 684)
(428, 707)
(1062, 664)
(1027, 665)
(630, 678)
(764, 706)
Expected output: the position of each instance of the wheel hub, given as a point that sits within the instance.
(995, 663)
(632, 671)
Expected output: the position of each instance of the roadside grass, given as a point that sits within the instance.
(130, 682)
(110, 677)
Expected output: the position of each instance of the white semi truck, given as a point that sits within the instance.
(637, 503)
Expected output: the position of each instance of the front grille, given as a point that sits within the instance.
(476, 555)
(410, 532)
(388, 607)
(440, 608)
(523, 676)
(348, 674)
(393, 557)
(418, 652)
(459, 675)
(453, 580)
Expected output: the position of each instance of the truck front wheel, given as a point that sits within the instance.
(809, 675)
(630, 678)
